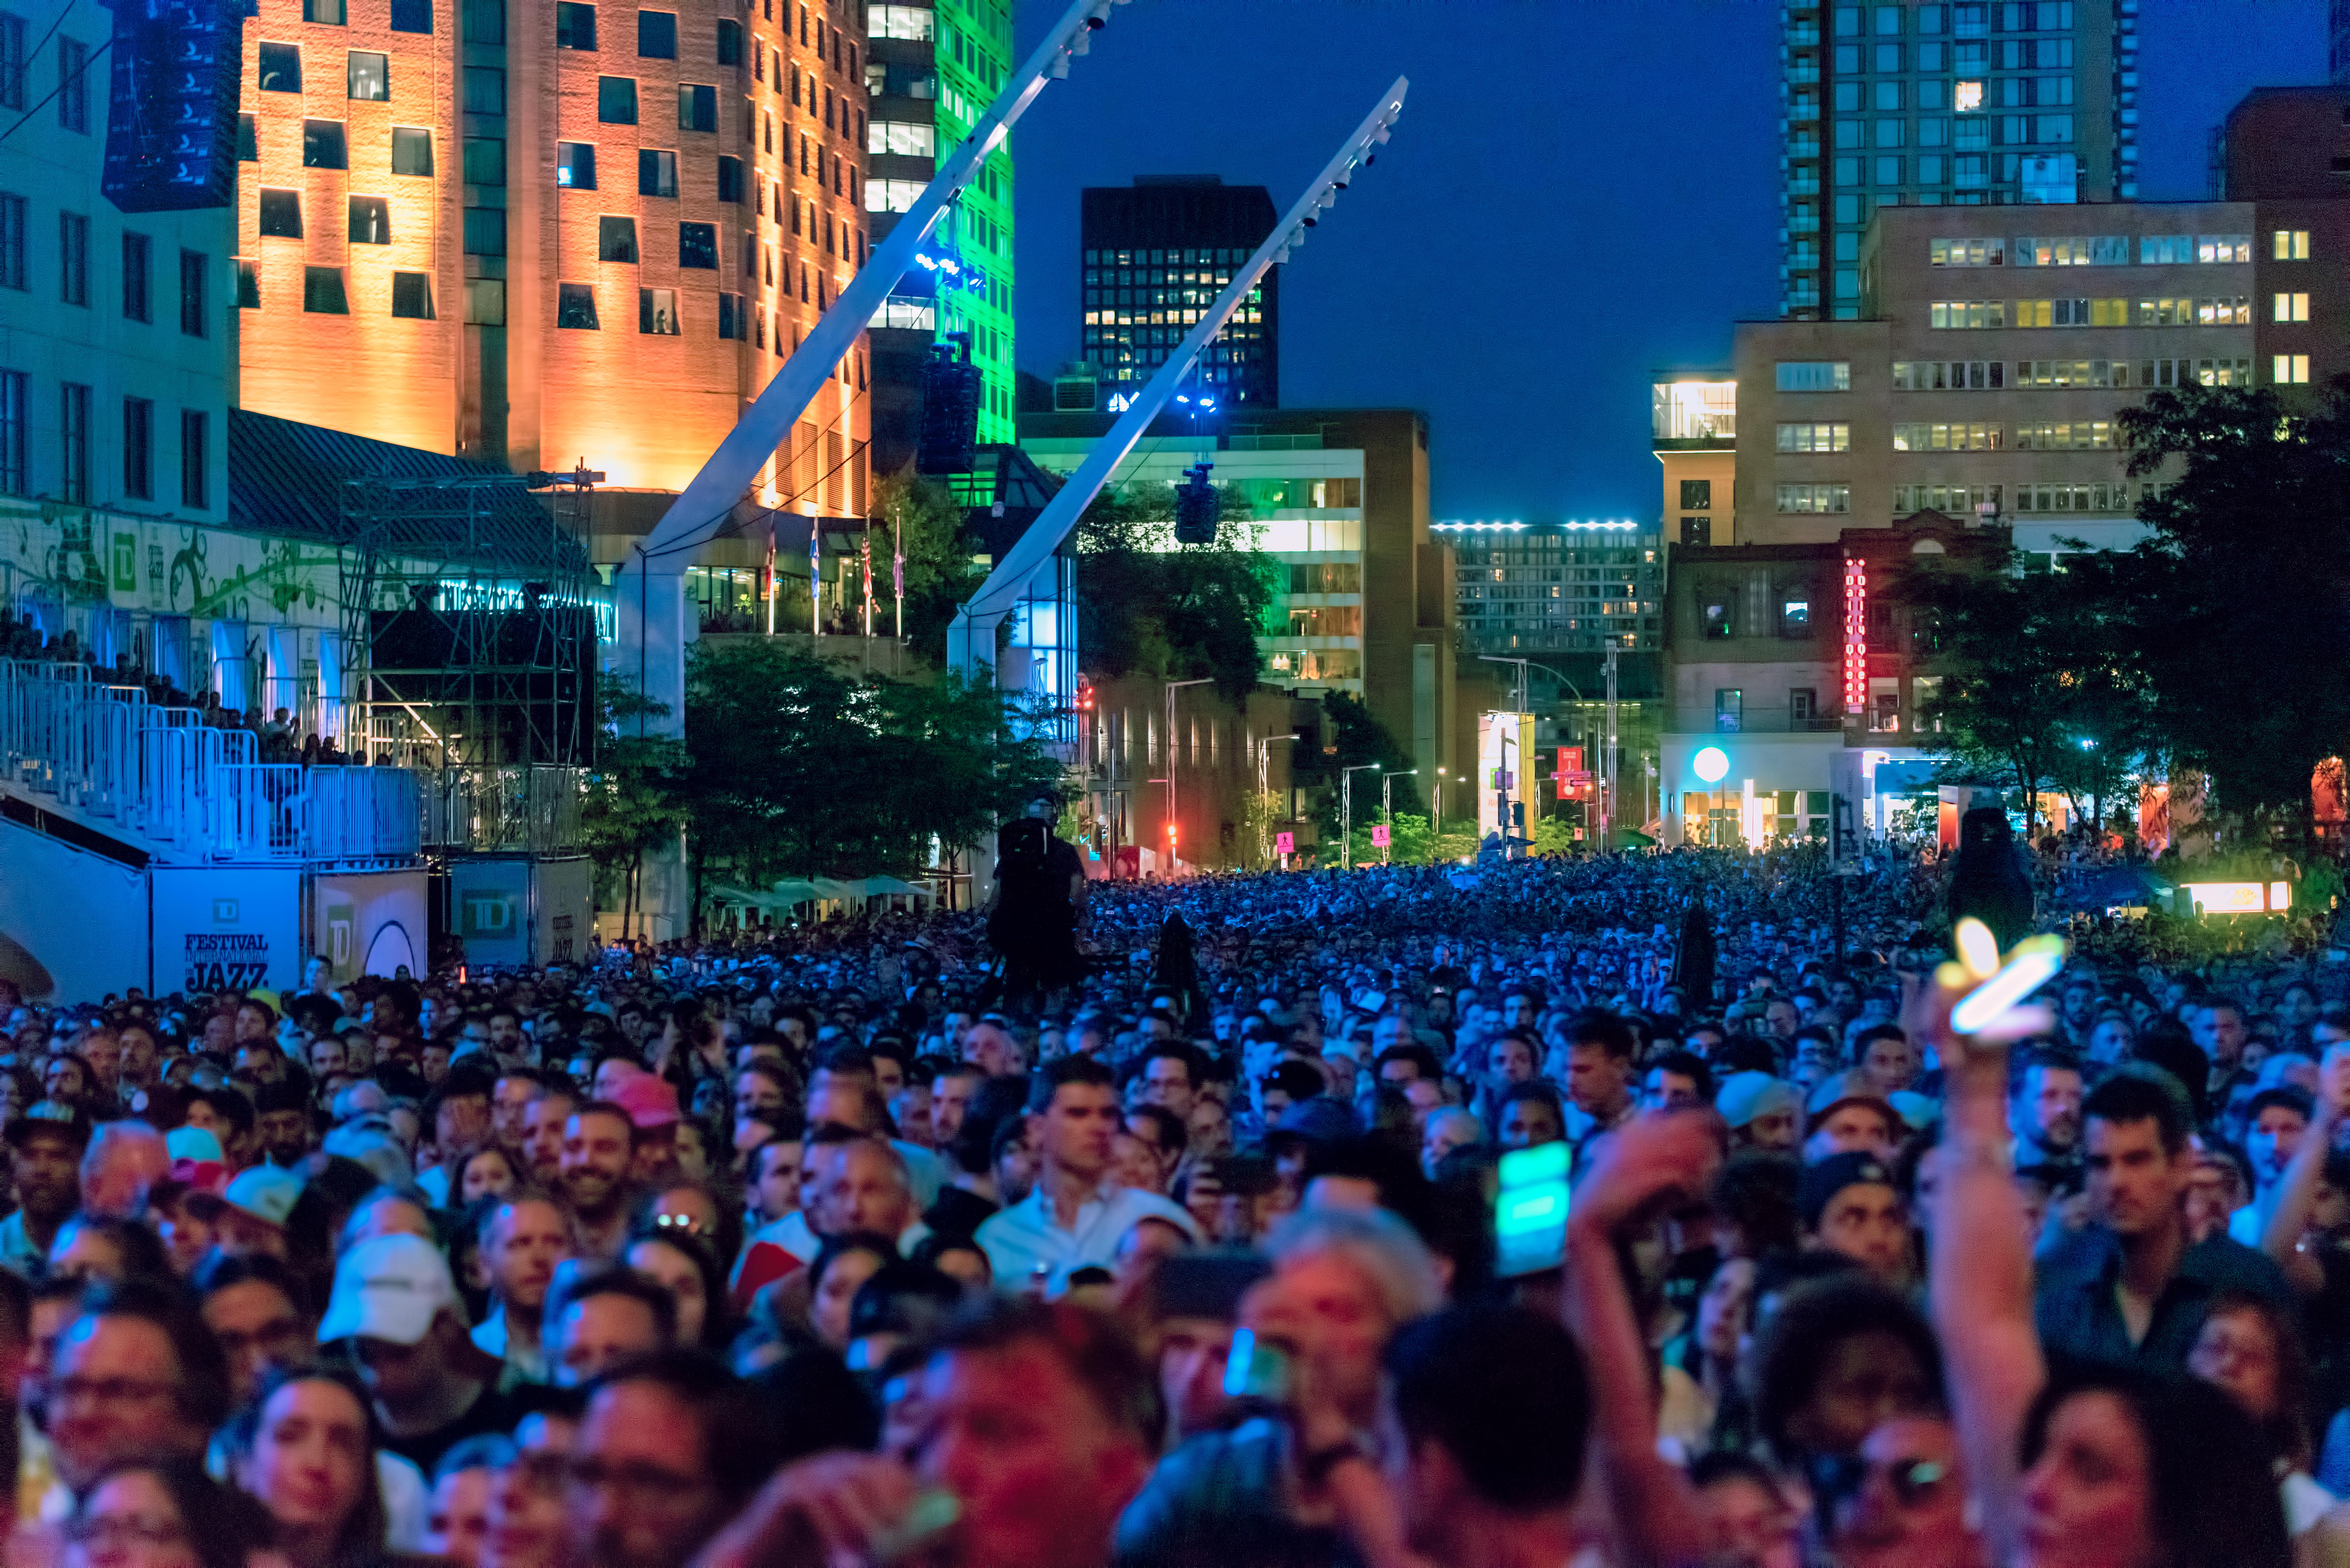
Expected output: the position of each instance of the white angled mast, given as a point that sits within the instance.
(649, 590)
(1025, 572)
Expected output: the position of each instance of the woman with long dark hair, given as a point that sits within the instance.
(305, 1449)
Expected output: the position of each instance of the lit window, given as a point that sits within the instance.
(657, 312)
(370, 221)
(575, 165)
(2290, 244)
(370, 76)
(411, 151)
(2291, 371)
(486, 301)
(2290, 307)
(1967, 97)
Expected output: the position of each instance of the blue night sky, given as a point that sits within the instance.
(1580, 192)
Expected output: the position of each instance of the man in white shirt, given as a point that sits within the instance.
(522, 1240)
(1077, 1214)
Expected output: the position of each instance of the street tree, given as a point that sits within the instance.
(797, 767)
(1148, 606)
(631, 803)
(2244, 590)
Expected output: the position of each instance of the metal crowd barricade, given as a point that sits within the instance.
(364, 814)
(522, 807)
(163, 775)
(258, 811)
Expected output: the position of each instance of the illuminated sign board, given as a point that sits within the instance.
(1855, 636)
(2237, 898)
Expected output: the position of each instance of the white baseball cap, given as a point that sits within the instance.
(388, 1287)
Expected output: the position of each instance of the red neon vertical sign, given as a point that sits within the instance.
(1855, 636)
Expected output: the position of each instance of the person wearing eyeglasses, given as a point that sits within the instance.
(137, 1378)
(163, 1514)
(1901, 1501)
(670, 1448)
(526, 1521)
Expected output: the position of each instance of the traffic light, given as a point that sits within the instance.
(1198, 507)
(949, 443)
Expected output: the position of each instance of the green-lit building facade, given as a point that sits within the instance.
(932, 70)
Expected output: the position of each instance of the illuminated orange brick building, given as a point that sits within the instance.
(547, 231)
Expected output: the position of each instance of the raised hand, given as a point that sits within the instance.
(1647, 1162)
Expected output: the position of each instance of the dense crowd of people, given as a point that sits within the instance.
(859, 1244)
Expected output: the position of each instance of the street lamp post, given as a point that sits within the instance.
(1436, 830)
(1346, 801)
(1173, 687)
(1387, 808)
(1264, 770)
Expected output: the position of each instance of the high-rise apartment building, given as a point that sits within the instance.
(1157, 255)
(548, 230)
(1574, 586)
(1980, 102)
(935, 68)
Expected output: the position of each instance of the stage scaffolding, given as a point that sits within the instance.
(469, 620)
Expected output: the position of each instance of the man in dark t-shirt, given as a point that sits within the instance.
(395, 1303)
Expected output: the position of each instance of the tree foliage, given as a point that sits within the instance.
(1171, 613)
(1360, 739)
(630, 805)
(920, 516)
(799, 768)
(2048, 690)
(2242, 594)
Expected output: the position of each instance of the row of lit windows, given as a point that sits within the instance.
(2221, 310)
(1995, 375)
(1175, 257)
(76, 443)
(1204, 293)
(2112, 250)
(1891, 96)
(1551, 553)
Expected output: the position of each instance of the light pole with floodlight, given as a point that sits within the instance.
(1346, 799)
(1387, 807)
